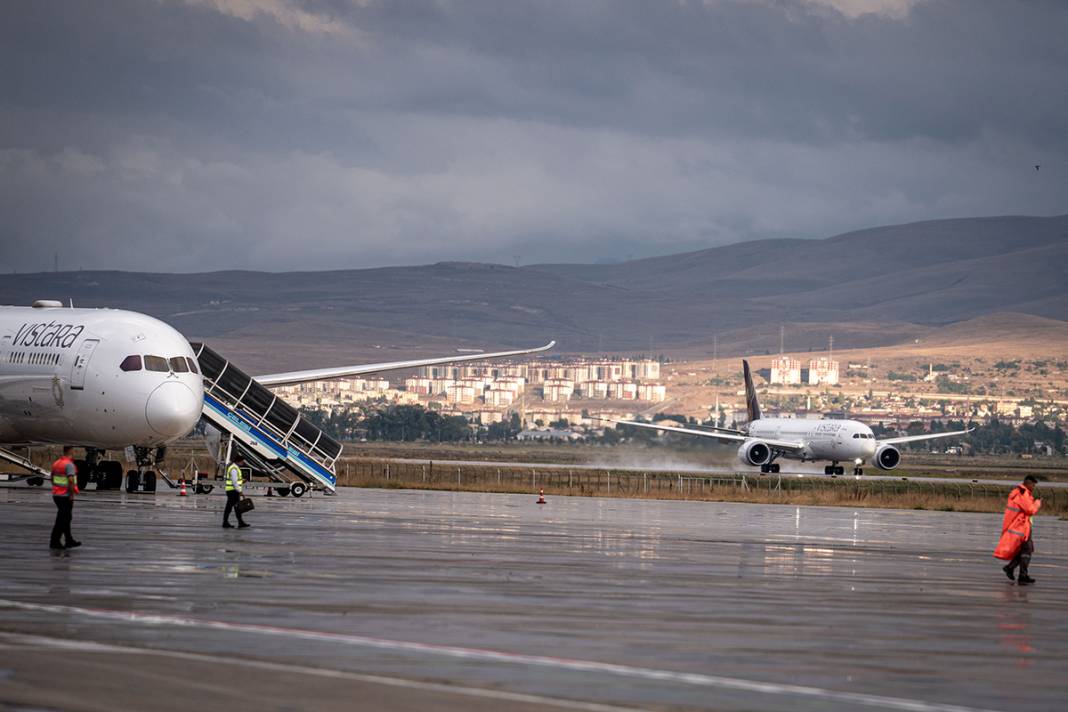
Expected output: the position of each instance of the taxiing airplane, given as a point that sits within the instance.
(106, 379)
(764, 440)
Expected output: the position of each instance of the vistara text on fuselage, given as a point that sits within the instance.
(100, 378)
(834, 440)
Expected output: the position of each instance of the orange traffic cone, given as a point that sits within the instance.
(541, 496)
(181, 491)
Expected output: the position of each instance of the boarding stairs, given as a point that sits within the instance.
(39, 473)
(272, 433)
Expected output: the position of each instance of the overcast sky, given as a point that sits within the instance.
(190, 135)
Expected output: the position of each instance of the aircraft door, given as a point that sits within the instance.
(81, 363)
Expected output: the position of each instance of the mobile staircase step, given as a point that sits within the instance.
(263, 423)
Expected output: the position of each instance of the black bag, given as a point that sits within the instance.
(244, 505)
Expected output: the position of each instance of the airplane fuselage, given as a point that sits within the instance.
(98, 378)
(830, 440)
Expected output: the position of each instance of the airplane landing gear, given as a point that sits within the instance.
(144, 477)
(834, 469)
(107, 474)
(858, 470)
(771, 467)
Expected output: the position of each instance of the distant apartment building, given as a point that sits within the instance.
(460, 394)
(652, 392)
(786, 370)
(822, 371)
(557, 389)
(500, 397)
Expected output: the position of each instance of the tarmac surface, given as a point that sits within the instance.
(414, 600)
(793, 470)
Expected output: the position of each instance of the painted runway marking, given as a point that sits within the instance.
(23, 641)
(682, 678)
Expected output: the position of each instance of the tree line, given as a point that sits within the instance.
(409, 423)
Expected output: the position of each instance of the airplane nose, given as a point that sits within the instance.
(173, 410)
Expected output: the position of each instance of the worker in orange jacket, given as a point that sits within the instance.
(1015, 544)
(64, 487)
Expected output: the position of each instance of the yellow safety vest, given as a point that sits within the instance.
(229, 478)
(61, 484)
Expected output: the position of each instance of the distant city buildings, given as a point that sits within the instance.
(342, 392)
(822, 371)
(786, 370)
(485, 391)
(582, 393)
(556, 382)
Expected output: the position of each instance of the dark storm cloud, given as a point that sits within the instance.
(276, 134)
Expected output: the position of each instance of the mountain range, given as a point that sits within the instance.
(872, 287)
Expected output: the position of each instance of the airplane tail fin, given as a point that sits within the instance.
(752, 405)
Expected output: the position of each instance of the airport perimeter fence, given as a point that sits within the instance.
(913, 493)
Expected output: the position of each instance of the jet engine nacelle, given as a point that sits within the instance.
(754, 452)
(887, 457)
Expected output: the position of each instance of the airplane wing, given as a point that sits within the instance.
(324, 374)
(925, 436)
(730, 436)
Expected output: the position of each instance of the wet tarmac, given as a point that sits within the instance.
(793, 470)
(405, 600)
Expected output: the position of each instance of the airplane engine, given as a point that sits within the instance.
(754, 453)
(887, 457)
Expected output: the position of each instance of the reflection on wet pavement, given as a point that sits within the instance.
(602, 601)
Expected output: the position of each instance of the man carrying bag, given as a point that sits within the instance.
(234, 485)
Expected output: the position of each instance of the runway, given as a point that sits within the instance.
(794, 471)
(406, 600)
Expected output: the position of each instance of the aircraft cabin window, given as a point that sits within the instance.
(178, 365)
(131, 363)
(156, 363)
(192, 365)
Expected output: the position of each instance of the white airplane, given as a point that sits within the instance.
(764, 440)
(106, 379)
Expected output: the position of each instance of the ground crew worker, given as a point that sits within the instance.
(64, 487)
(1015, 544)
(234, 486)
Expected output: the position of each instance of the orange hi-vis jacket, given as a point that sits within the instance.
(1016, 524)
(61, 481)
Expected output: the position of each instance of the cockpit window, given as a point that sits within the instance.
(156, 363)
(178, 365)
(192, 365)
(131, 363)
